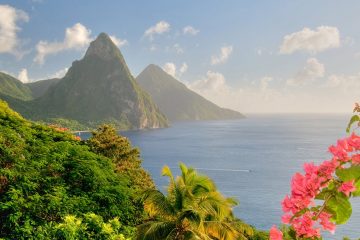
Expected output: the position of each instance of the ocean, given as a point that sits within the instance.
(251, 159)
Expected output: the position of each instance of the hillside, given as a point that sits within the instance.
(39, 88)
(12, 87)
(97, 89)
(48, 178)
(100, 88)
(178, 102)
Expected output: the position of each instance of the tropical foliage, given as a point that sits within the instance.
(48, 177)
(192, 209)
(106, 141)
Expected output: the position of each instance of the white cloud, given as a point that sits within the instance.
(170, 68)
(190, 30)
(225, 53)
(311, 71)
(159, 28)
(23, 76)
(313, 41)
(214, 81)
(183, 68)
(76, 37)
(9, 17)
(118, 41)
(59, 74)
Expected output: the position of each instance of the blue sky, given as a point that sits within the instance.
(252, 56)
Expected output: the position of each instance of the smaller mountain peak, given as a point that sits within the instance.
(103, 47)
(153, 67)
(103, 36)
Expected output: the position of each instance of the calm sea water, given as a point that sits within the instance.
(251, 159)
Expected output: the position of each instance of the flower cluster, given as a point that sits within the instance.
(58, 128)
(299, 207)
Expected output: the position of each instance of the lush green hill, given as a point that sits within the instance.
(12, 87)
(178, 102)
(49, 181)
(38, 88)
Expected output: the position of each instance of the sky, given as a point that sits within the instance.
(258, 56)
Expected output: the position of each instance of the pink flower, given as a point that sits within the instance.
(286, 219)
(325, 222)
(339, 152)
(275, 234)
(354, 141)
(310, 169)
(356, 159)
(304, 226)
(347, 187)
(327, 168)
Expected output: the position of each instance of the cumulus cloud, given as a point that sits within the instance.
(159, 28)
(225, 53)
(59, 74)
(76, 37)
(23, 76)
(190, 30)
(118, 41)
(170, 68)
(9, 18)
(312, 70)
(214, 81)
(313, 41)
(183, 68)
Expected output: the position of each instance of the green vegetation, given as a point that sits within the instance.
(192, 209)
(107, 142)
(48, 178)
(178, 102)
(39, 88)
(12, 87)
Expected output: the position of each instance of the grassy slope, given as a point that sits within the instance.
(14, 88)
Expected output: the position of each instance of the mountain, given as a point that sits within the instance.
(14, 88)
(178, 102)
(39, 88)
(96, 89)
(100, 88)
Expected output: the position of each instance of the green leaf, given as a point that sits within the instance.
(166, 171)
(353, 119)
(341, 208)
(357, 185)
(348, 174)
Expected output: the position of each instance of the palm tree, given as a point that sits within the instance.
(192, 209)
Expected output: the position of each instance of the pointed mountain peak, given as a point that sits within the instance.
(103, 47)
(155, 69)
